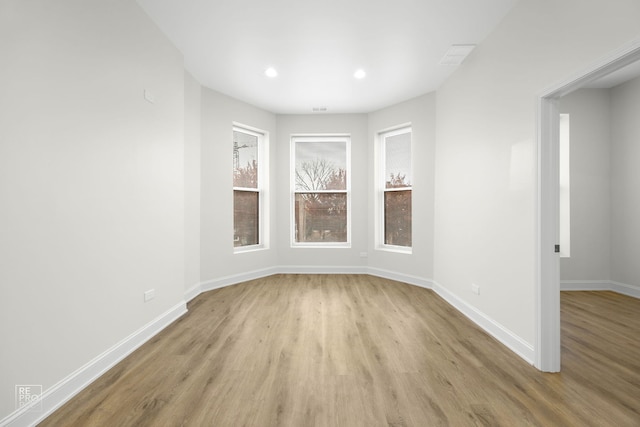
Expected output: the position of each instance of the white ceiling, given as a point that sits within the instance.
(316, 46)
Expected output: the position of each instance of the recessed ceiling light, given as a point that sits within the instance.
(360, 74)
(271, 72)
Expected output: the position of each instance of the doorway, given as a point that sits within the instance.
(548, 262)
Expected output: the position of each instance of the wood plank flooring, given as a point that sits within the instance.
(357, 350)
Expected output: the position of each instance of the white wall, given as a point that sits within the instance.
(101, 199)
(590, 185)
(91, 183)
(485, 229)
(356, 126)
(625, 181)
(420, 112)
(192, 140)
(218, 260)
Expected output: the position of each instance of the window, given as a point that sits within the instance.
(395, 189)
(248, 188)
(320, 184)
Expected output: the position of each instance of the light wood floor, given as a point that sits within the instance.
(349, 350)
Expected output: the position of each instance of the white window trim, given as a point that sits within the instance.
(292, 186)
(380, 180)
(263, 184)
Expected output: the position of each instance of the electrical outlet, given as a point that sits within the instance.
(475, 289)
(149, 295)
(363, 254)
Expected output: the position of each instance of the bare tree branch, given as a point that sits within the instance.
(314, 175)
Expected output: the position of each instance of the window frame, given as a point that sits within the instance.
(261, 188)
(381, 189)
(295, 138)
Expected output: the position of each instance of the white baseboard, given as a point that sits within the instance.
(493, 328)
(315, 269)
(585, 285)
(193, 292)
(234, 279)
(624, 289)
(401, 277)
(600, 285)
(60, 393)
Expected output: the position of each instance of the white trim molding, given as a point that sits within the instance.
(234, 279)
(600, 285)
(60, 393)
(401, 277)
(57, 395)
(316, 269)
(193, 292)
(512, 341)
(624, 289)
(585, 285)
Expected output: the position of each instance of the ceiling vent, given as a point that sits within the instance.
(456, 54)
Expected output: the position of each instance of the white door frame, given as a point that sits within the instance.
(548, 262)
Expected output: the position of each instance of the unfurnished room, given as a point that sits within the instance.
(338, 213)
